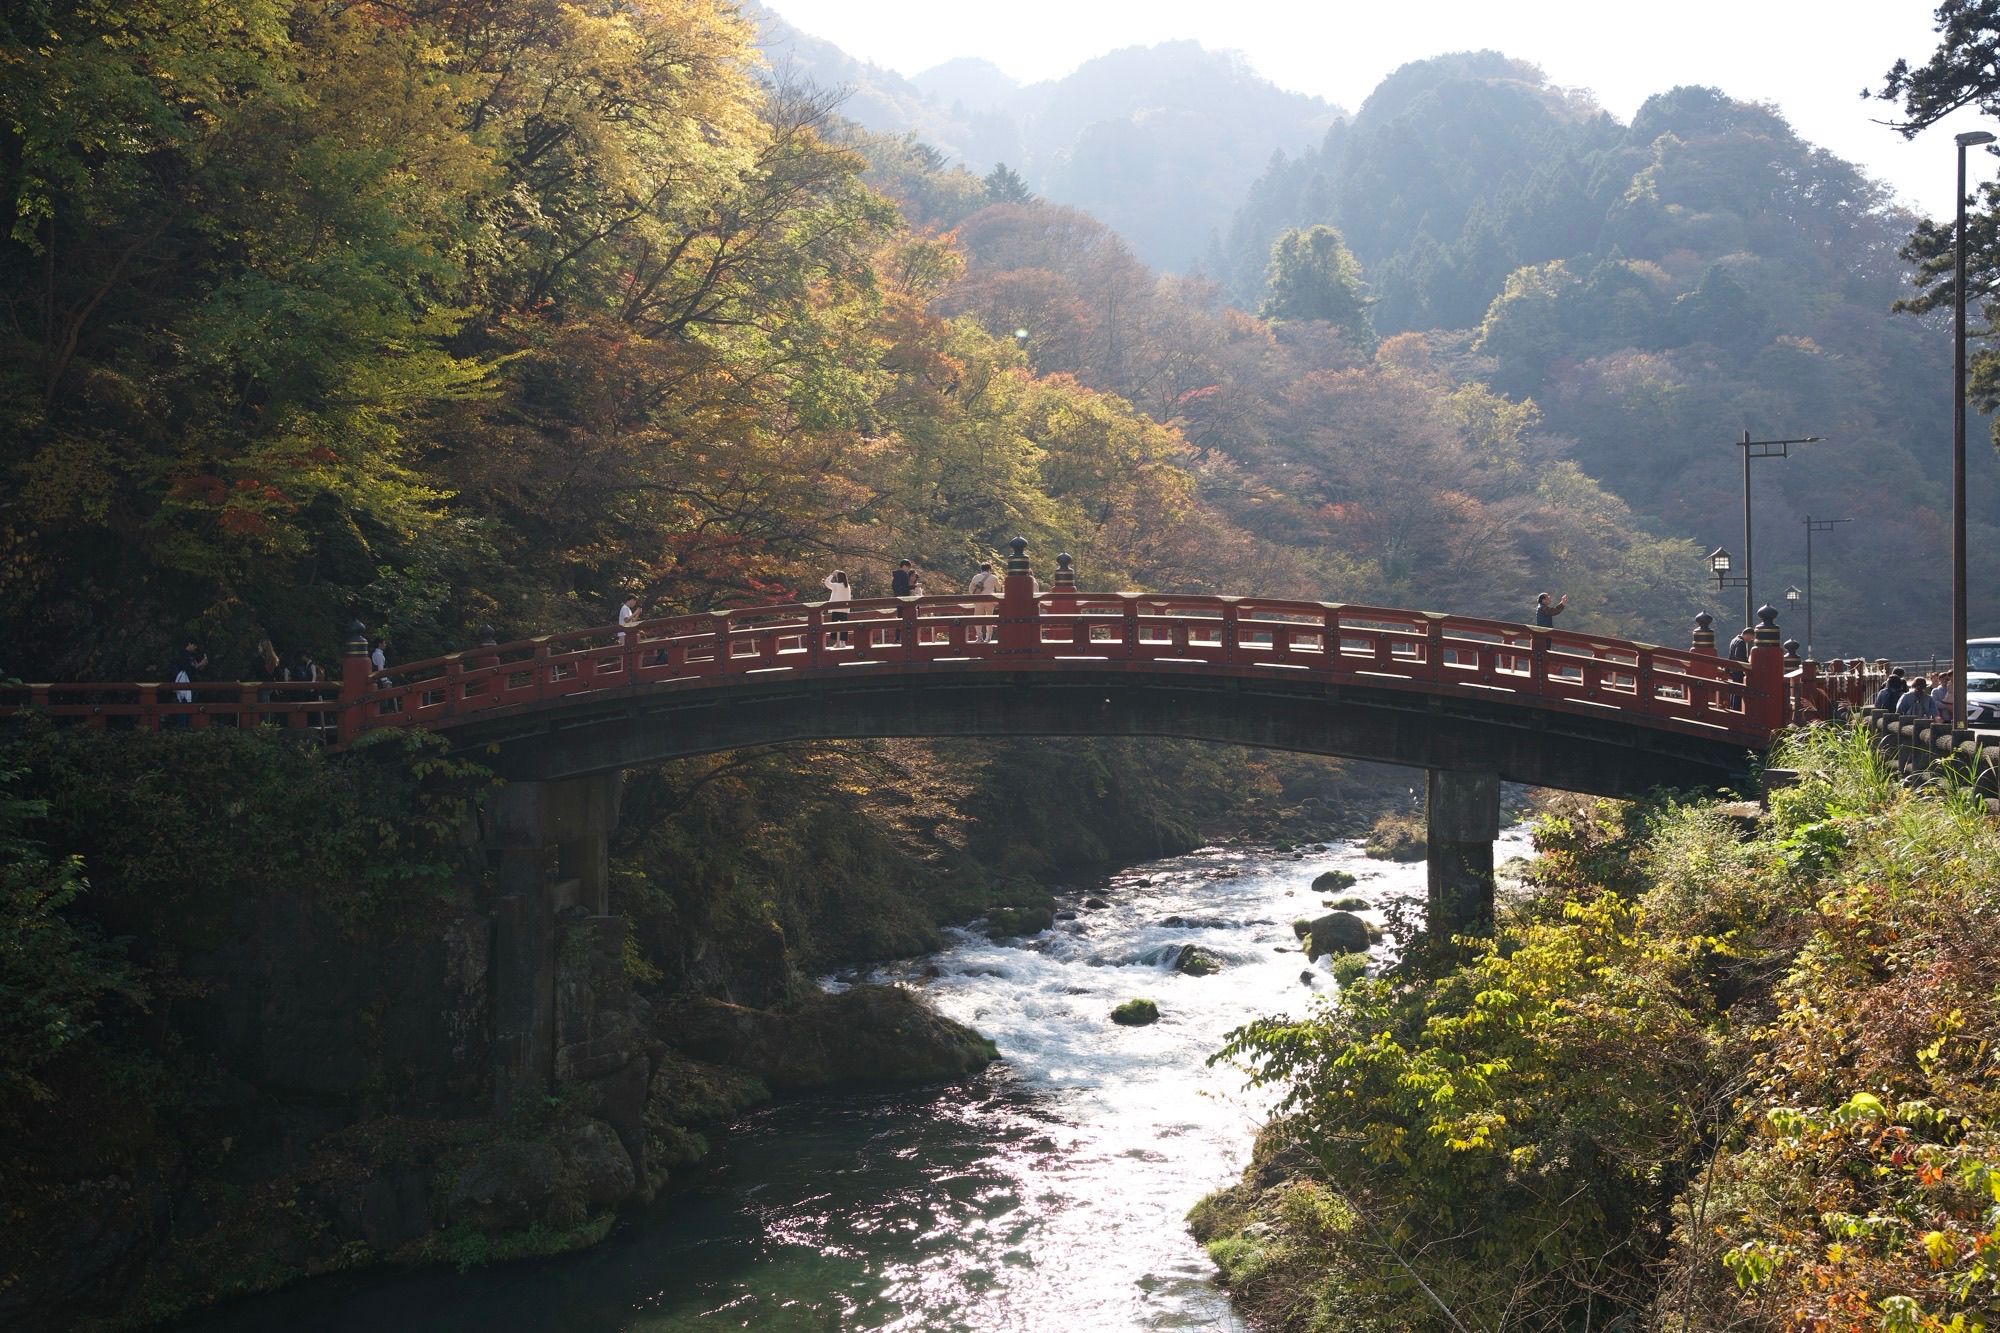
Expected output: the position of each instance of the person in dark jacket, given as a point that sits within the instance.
(903, 582)
(1739, 647)
(1892, 689)
(1546, 611)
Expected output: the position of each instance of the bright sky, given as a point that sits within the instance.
(1810, 57)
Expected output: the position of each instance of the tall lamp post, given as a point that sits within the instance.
(1815, 525)
(1959, 628)
(1758, 449)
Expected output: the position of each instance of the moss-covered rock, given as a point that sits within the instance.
(1196, 962)
(1333, 881)
(1009, 922)
(1136, 1013)
(1336, 933)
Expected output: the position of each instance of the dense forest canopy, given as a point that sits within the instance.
(493, 310)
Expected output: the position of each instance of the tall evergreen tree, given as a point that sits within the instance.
(1313, 275)
(1005, 186)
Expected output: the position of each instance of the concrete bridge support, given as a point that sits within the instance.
(548, 844)
(1463, 811)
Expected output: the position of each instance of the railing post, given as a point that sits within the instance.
(1063, 593)
(725, 649)
(1020, 623)
(815, 632)
(1767, 674)
(1703, 638)
(1702, 643)
(1230, 629)
(1131, 625)
(356, 672)
(1434, 644)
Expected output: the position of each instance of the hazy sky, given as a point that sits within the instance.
(1810, 58)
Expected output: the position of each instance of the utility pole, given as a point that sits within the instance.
(1814, 525)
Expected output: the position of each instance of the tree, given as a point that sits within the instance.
(1963, 71)
(1314, 276)
(1005, 186)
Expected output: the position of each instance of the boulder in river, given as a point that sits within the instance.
(865, 1036)
(1095, 904)
(1136, 1013)
(1333, 881)
(1195, 962)
(1003, 922)
(1336, 932)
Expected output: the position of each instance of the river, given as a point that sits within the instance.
(1046, 1194)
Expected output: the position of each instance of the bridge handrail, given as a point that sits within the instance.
(1339, 643)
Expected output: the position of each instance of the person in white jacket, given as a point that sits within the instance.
(839, 592)
(985, 584)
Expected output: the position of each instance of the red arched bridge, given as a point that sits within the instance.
(1542, 706)
(1471, 701)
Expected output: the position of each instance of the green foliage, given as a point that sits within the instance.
(56, 972)
(1709, 1076)
(1314, 276)
(1397, 837)
(1517, 1105)
(177, 830)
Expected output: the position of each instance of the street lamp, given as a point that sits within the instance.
(1959, 627)
(1815, 525)
(1719, 564)
(1792, 595)
(1757, 449)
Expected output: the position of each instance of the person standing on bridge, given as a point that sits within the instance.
(903, 582)
(1916, 702)
(188, 668)
(1739, 647)
(984, 584)
(1546, 611)
(839, 592)
(1892, 690)
(628, 612)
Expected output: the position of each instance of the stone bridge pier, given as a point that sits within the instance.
(1462, 813)
(563, 1010)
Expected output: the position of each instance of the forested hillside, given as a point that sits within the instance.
(1655, 290)
(1645, 293)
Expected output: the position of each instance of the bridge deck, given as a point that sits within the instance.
(1642, 685)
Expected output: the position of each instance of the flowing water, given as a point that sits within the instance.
(1046, 1194)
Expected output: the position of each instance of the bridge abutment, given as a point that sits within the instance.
(549, 844)
(1462, 810)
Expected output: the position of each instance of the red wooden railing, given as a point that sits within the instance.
(1063, 630)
